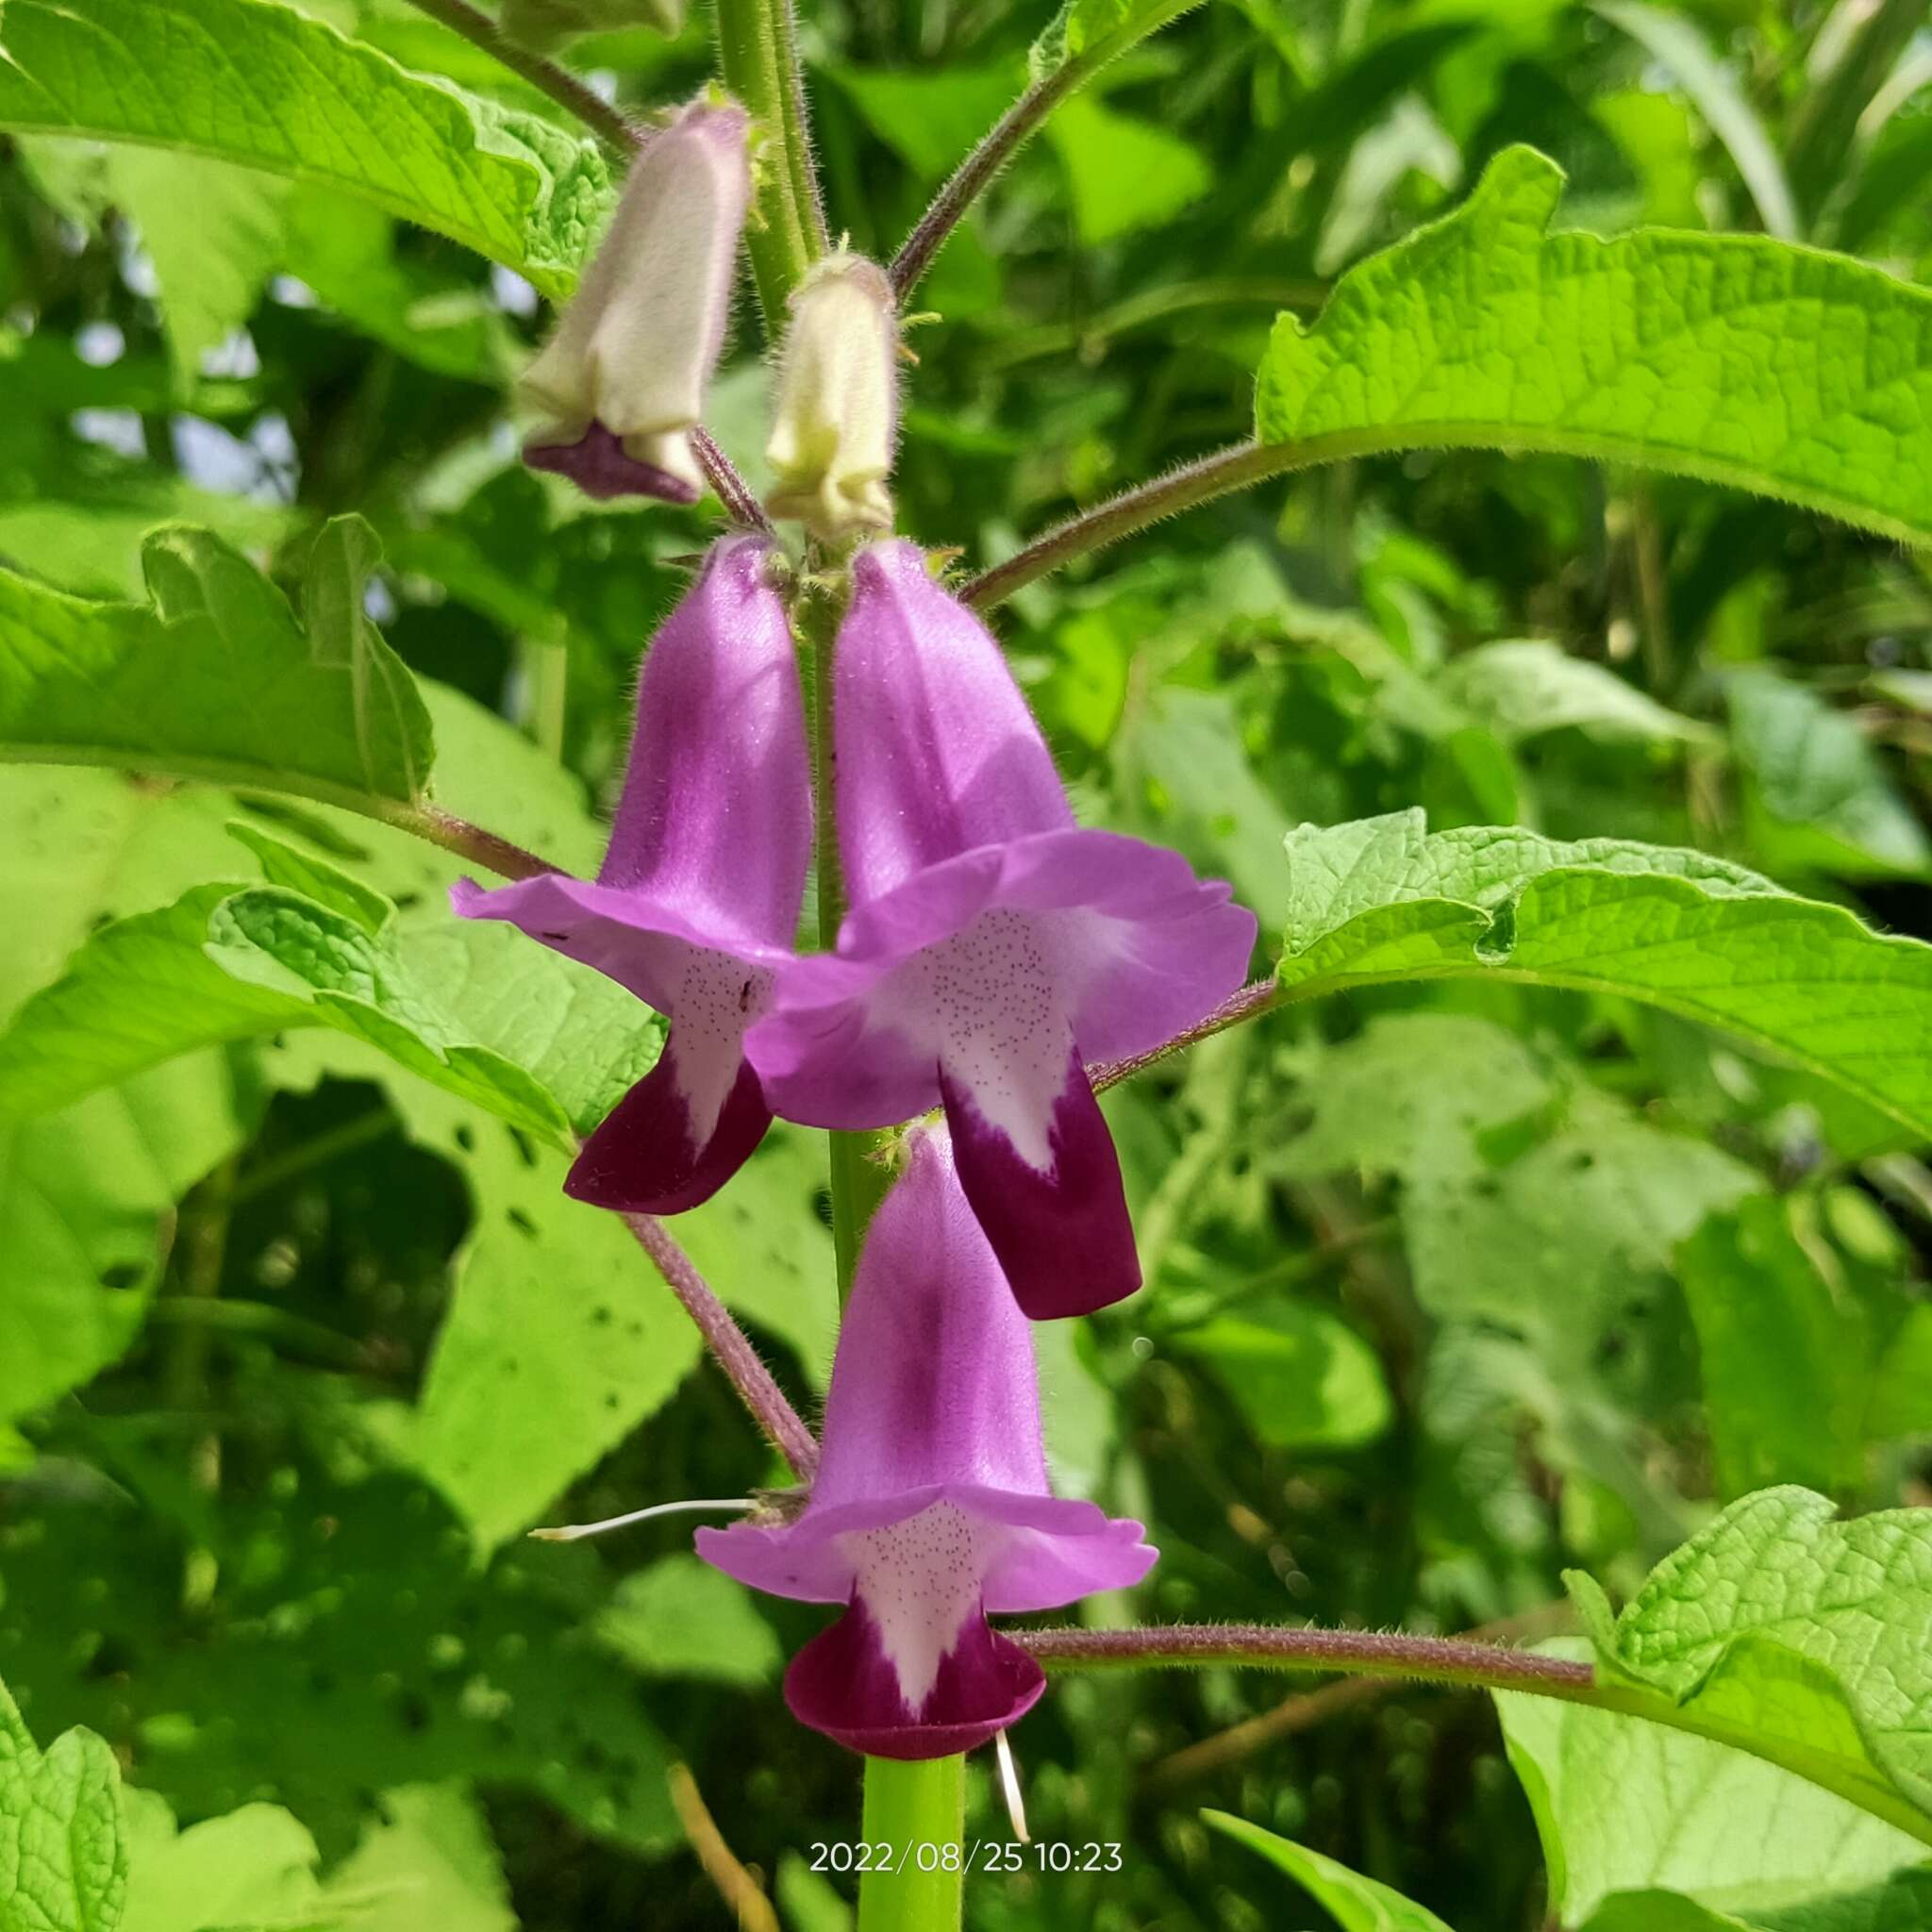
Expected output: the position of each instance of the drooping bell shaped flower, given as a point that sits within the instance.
(993, 948)
(837, 415)
(931, 1509)
(621, 383)
(696, 903)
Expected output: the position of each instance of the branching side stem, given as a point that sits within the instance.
(1458, 1661)
(731, 1347)
(562, 86)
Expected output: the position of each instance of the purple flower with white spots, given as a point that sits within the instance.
(931, 1509)
(696, 903)
(993, 948)
(621, 383)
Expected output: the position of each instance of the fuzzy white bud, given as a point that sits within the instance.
(619, 386)
(837, 417)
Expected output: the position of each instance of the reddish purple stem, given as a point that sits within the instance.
(728, 1342)
(1379, 1653)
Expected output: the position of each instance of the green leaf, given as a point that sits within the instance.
(1677, 46)
(361, 1648)
(1623, 1805)
(1301, 1378)
(545, 1043)
(1409, 1095)
(213, 233)
(254, 1867)
(680, 1617)
(930, 119)
(262, 84)
(1786, 1363)
(1359, 1904)
(63, 1859)
(1523, 686)
(1730, 357)
(1382, 899)
(1124, 174)
(347, 252)
(1817, 795)
(807, 1900)
(1782, 1630)
(561, 1338)
(82, 1193)
(89, 845)
(215, 678)
(429, 1861)
(1901, 1402)
(276, 940)
(1182, 777)
(1092, 32)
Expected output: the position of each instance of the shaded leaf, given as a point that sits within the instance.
(1359, 1904)
(1302, 1378)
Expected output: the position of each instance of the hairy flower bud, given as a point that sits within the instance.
(621, 383)
(838, 401)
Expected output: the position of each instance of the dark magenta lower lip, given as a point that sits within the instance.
(597, 464)
(1064, 1238)
(642, 1161)
(842, 1685)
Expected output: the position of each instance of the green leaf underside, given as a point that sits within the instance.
(213, 678)
(1624, 1806)
(1358, 1903)
(262, 84)
(1782, 1625)
(1742, 360)
(1383, 899)
(63, 1861)
(523, 1033)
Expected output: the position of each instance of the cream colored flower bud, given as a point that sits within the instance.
(838, 401)
(619, 386)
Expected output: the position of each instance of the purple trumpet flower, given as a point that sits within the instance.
(931, 1509)
(696, 903)
(992, 949)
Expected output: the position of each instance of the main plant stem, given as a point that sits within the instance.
(915, 1816)
(757, 53)
(913, 1812)
(916, 1806)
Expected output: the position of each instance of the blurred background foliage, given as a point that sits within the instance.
(1446, 1285)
